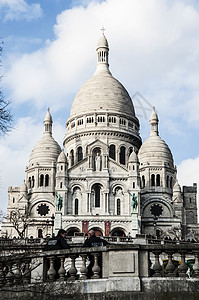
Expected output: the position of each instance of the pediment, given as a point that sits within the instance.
(98, 144)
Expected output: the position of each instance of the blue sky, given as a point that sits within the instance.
(49, 52)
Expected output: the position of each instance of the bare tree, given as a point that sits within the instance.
(6, 117)
(19, 221)
(2, 216)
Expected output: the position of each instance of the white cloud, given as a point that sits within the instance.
(188, 171)
(154, 47)
(19, 9)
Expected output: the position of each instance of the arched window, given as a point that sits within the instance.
(143, 181)
(152, 180)
(29, 182)
(123, 155)
(46, 180)
(171, 182)
(158, 180)
(72, 157)
(97, 194)
(130, 151)
(40, 233)
(60, 185)
(112, 151)
(79, 154)
(167, 184)
(33, 181)
(76, 206)
(118, 207)
(41, 181)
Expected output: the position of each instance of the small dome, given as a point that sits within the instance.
(133, 157)
(48, 117)
(102, 42)
(45, 151)
(176, 187)
(62, 157)
(154, 116)
(23, 188)
(154, 150)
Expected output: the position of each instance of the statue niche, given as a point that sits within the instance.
(97, 160)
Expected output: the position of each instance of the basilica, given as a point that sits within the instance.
(105, 178)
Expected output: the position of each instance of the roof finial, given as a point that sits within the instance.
(103, 29)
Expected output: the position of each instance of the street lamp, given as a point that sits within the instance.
(47, 223)
(52, 222)
(154, 224)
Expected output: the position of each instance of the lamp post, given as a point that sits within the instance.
(47, 223)
(155, 224)
(52, 222)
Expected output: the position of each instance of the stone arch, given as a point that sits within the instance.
(76, 185)
(118, 231)
(71, 231)
(116, 187)
(98, 144)
(158, 180)
(98, 230)
(152, 179)
(97, 159)
(130, 150)
(94, 182)
(79, 152)
(72, 157)
(157, 200)
(76, 199)
(41, 180)
(112, 151)
(33, 208)
(96, 193)
(122, 155)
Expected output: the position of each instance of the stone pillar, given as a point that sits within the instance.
(157, 267)
(183, 266)
(58, 221)
(170, 266)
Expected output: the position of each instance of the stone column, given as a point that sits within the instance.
(183, 266)
(157, 267)
(170, 266)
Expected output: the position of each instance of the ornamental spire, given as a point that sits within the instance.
(48, 123)
(102, 53)
(154, 123)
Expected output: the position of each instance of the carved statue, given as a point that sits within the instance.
(97, 162)
(59, 202)
(134, 202)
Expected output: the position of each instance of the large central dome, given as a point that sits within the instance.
(102, 92)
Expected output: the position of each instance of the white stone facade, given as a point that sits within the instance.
(103, 167)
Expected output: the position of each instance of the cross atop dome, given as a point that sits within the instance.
(102, 53)
(102, 30)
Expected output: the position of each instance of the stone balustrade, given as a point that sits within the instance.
(112, 261)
